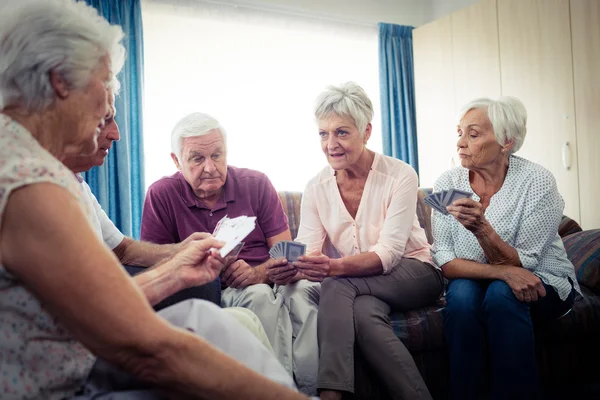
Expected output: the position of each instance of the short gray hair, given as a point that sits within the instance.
(346, 100)
(65, 36)
(507, 115)
(192, 125)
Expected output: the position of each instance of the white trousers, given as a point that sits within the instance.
(289, 318)
(237, 333)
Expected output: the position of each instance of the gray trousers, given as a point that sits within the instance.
(358, 309)
(289, 316)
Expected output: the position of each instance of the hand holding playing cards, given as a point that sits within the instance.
(315, 266)
(469, 213)
(195, 264)
(240, 274)
(280, 271)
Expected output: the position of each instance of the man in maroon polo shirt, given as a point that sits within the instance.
(204, 190)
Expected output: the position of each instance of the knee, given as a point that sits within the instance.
(259, 294)
(303, 292)
(463, 298)
(366, 314)
(334, 286)
(500, 298)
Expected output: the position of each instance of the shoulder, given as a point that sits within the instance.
(532, 176)
(449, 179)
(165, 185)
(394, 169)
(246, 174)
(321, 179)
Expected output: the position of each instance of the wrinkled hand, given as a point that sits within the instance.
(526, 286)
(280, 272)
(195, 236)
(469, 213)
(196, 264)
(314, 267)
(240, 274)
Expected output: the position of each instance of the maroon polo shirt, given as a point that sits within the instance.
(172, 211)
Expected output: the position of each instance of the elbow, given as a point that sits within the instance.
(449, 271)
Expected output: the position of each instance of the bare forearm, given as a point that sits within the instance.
(192, 367)
(364, 264)
(460, 268)
(496, 250)
(158, 283)
(143, 254)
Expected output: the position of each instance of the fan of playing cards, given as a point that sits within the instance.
(441, 200)
(288, 250)
(232, 231)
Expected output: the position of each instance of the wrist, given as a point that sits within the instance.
(261, 272)
(336, 267)
(485, 230)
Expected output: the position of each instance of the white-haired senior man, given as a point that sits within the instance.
(196, 198)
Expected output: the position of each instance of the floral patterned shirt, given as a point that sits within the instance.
(38, 358)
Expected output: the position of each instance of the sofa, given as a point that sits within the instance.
(568, 351)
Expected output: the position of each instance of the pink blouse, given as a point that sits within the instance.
(386, 222)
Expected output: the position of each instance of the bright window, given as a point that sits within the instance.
(258, 73)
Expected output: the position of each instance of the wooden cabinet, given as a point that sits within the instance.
(536, 67)
(434, 89)
(585, 32)
(544, 52)
(475, 54)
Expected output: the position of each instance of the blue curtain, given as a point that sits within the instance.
(397, 88)
(119, 183)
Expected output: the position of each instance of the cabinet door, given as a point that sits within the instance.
(434, 93)
(536, 66)
(585, 28)
(475, 53)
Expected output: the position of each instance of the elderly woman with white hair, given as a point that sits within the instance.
(68, 311)
(501, 250)
(365, 203)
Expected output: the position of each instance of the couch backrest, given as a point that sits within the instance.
(291, 205)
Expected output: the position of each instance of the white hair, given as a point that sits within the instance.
(40, 36)
(192, 125)
(346, 100)
(507, 115)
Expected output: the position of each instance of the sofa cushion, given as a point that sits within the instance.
(424, 213)
(583, 249)
(291, 206)
(567, 227)
(420, 330)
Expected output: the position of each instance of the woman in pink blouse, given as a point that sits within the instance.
(365, 203)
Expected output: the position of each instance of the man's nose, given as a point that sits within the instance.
(209, 166)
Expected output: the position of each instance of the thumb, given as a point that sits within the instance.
(208, 243)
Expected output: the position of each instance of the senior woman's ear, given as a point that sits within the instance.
(59, 84)
(508, 146)
(367, 134)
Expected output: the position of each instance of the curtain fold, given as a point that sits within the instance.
(396, 79)
(119, 184)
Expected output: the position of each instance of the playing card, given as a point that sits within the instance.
(293, 250)
(219, 225)
(455, 194)
(232, 231)
(236, 250)
(433, 202)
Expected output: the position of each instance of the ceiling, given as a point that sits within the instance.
(363, 12)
